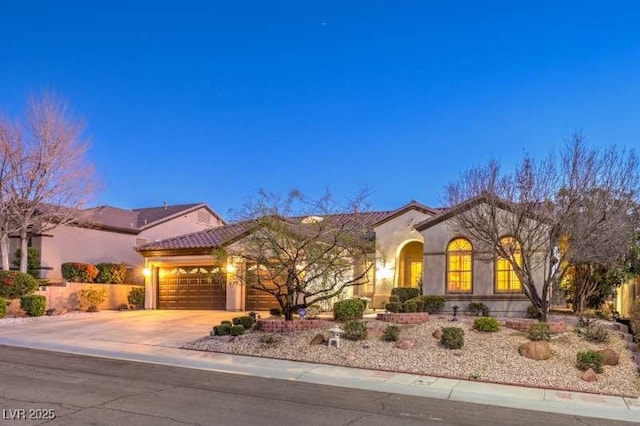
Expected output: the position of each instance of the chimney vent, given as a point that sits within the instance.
(164, 205)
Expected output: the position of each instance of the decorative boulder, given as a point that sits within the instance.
(609, 357)
(589, 376)
(437, 334)
(405, 344)
(536, 350)
(319, 339)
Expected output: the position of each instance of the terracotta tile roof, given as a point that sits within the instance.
(210, 238)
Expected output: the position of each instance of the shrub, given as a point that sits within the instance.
(355, 330)
(391, 333)
(409, 307)
(589, 359)
(476, 308)
(405, 293)
(237, 330)
(452, 337)
(79, 272)
(222, 330)
(246, 321)
(433, 304)
(393, 307)
(595, 333)
(14, 284)
(275, 312)
(486, 324)
(532, 312)
(93, 297)
(34, 304)
(348, 310)
(3, 308)
(226, 322)
(136, 297)
(33, 261)
(394, 299)
(111, 273)
(419, 302)
(634, 316)
(539, 331)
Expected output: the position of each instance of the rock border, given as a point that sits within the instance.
(279, 325)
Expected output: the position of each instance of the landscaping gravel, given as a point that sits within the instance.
(491, 357)
(21, 320)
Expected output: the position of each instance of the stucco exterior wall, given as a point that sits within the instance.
(436, 239)
(184, 224)
(390, 237)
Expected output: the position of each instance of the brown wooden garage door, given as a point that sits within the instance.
(257, 300)
(192, 287)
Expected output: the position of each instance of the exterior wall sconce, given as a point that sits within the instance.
(146, 272)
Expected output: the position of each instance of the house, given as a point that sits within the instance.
(109, 234)
(415, 245)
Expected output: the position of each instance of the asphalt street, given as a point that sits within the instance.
(40, 387)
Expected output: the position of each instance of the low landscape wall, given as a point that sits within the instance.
(67, 296)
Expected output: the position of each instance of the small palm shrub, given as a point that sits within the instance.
(391, 333)
(539, 331)
(355, 330)
(136, 297)
(34, 304)
(589, 359)
(237, 330)
(246, 321)
(486, 324)
(452, 337)
(348, 310)
(93, 297)
(595, 333)
(14, 284)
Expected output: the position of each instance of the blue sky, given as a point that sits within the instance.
(211, 100)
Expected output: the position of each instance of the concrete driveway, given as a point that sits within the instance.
(154, 328)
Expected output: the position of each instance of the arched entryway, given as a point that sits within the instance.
(409, 271)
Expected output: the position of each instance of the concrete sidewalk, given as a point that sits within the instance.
(553, 401)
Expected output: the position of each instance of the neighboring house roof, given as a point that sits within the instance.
(227, 234)
(151, 216)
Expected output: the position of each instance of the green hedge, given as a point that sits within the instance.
(433, 304)
(77, 272)
(111, 273)
(348, 310)
(34, 304)
(136, 297)
(405, 293)
(14, 284)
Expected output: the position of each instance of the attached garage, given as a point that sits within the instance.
(258, 300)
(192, 287)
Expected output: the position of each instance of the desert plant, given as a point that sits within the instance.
(433, 304)
(486, 324)
(93, 297)
(539, 331)
(136, 297)
(3, 308)
(394, 299)
(419, 302)
(79, 272)
(391, 333)
(589, 359)
(246, 321)
(348, 310)
(34, 304)
(394, 307)
(355, 330)
(452, 337)
(14, 284)
(476, 308)
(111, 273)
(237, 330)
(594, 333)
(405, 293)
(275, 312)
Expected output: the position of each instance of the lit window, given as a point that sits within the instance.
(507, 280)
(459, 266)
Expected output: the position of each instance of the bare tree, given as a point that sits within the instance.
(304, 251)
(9, 143)
(562, 211)
(53, 179)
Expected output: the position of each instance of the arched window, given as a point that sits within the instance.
(459, 266)
(506, 279)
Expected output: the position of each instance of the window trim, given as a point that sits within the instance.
(447, 270)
